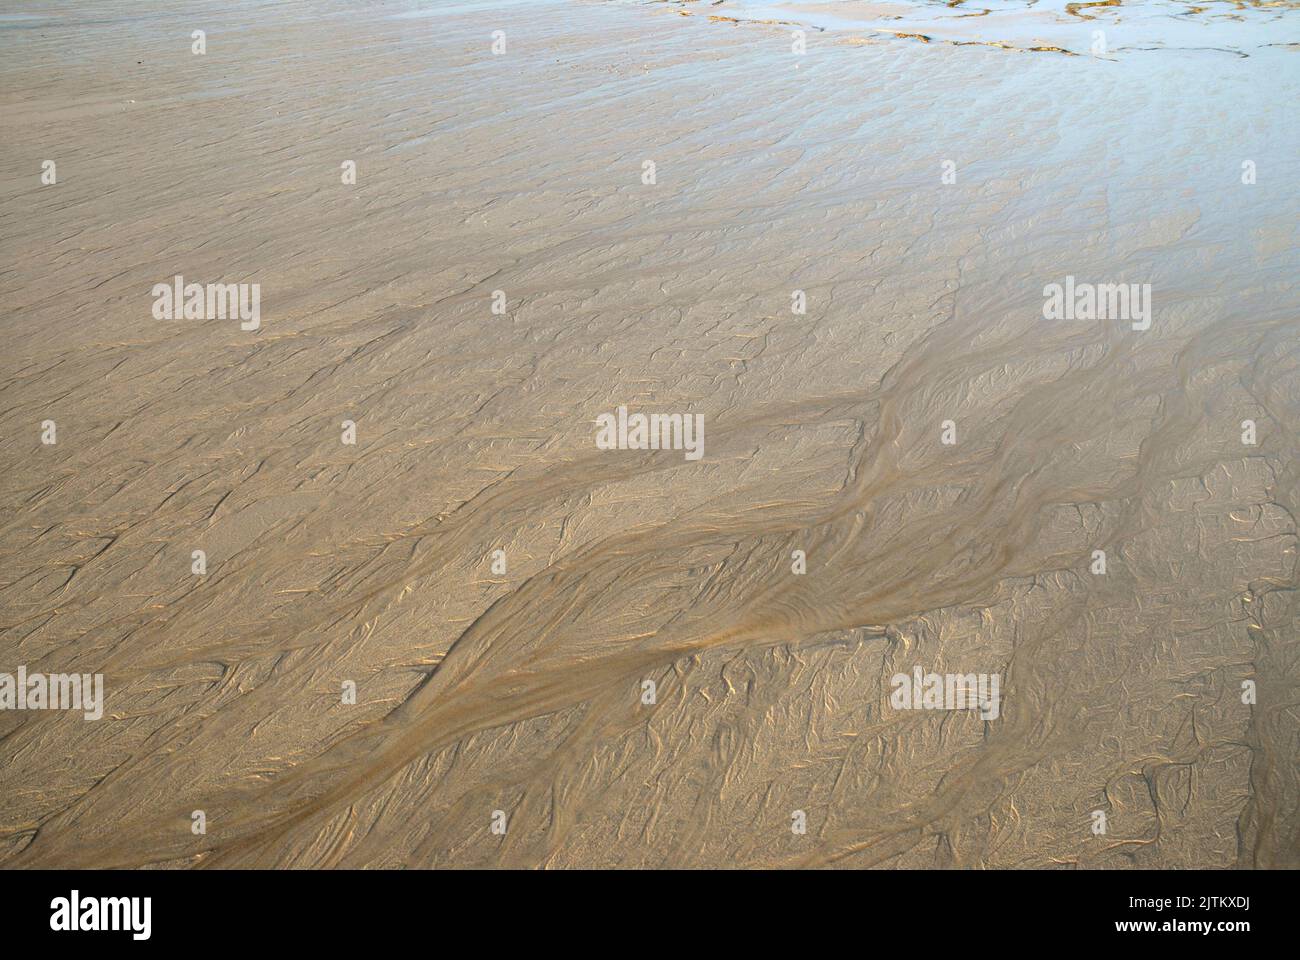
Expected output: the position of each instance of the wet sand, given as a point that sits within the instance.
(522, 690)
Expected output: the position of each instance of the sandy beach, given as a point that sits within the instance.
(368, 582)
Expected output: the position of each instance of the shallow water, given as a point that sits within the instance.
(1103, 28)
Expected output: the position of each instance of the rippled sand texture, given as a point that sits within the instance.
(521, 692)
